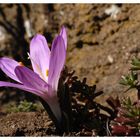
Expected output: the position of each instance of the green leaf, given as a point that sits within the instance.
(135, 64)
(130, 80)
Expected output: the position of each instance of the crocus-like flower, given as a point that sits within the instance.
(47, 66)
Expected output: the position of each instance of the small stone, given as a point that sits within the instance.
(13, 126)
(110, 59)
(113, 11)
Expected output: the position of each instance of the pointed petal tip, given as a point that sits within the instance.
(38, 37)
(63, 33)
(63, 27)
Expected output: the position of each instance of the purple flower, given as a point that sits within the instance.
(47, 66)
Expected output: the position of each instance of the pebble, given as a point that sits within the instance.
(110, 59)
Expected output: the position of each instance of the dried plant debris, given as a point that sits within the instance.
(86, 116)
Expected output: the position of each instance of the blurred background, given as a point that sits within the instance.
(102, 40)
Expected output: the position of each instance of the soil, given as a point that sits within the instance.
(100, 48)
(26, 124)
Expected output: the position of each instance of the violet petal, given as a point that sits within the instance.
(57, 61)
(8, 66)
(63, 33)
(40, 55)
(30, 79)
(23, 87)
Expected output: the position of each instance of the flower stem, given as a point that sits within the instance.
(52, 116)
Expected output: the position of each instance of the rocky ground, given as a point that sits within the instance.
(101, 43)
